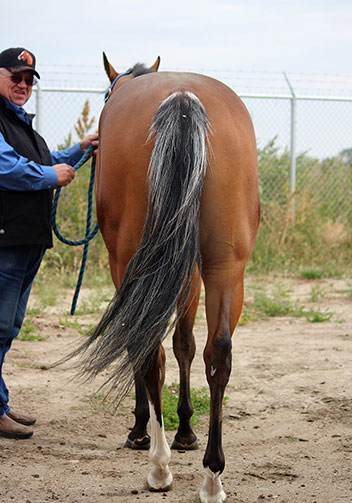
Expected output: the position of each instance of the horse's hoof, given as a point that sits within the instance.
(142, 444)
(159, 480)
(178, 446)
(212, 491)
(158, 490)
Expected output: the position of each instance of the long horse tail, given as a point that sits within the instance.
(159, 275)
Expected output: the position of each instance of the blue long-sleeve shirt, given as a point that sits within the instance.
(19, 173)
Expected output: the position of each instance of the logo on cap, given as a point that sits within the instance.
(25, 56)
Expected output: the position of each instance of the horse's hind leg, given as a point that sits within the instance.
(138, 438)
(159, 478)
(224, 297)
(184, 350)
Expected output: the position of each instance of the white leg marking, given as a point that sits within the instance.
(160, 477)
(212, 491)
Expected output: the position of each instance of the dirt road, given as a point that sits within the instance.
(287, 429)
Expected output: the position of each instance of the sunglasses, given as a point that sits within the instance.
(17, 79)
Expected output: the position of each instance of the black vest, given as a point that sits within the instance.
(24, 215)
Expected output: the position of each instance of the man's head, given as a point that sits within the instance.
(17, 74)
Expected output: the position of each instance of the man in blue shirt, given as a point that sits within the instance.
(28, 173)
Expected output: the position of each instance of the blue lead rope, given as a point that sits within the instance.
(89, 233)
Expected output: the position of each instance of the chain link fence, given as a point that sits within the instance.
(303, 127)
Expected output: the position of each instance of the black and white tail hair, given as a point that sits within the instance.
(161, 270)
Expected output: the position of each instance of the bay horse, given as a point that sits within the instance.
(177, 205)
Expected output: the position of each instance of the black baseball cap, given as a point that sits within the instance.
(18, 59)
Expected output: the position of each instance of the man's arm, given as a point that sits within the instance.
(18, 173)
(72, 155)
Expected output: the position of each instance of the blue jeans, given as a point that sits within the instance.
(18, 267)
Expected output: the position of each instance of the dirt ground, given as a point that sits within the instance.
(287, 428)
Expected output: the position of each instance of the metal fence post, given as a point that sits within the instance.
(292, 148)
(38, 109)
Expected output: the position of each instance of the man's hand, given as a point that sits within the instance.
(65, 174)
(88, 140)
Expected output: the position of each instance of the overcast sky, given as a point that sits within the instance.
(308, 36)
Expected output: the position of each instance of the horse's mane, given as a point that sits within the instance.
(140, 69)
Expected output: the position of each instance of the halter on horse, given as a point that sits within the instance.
(177, 204)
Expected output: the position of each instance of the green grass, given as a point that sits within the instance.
(27, 332)
(311, 273)
(169, 399)
(94, 301)
(279, 303)
(318, 242)
(248, 314)
(318, 316)
(274, 305)
(348, 291)
(317, 292)
(75, 324)
(170, 395)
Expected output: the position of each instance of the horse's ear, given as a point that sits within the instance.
(110, 70)
(155, 66)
